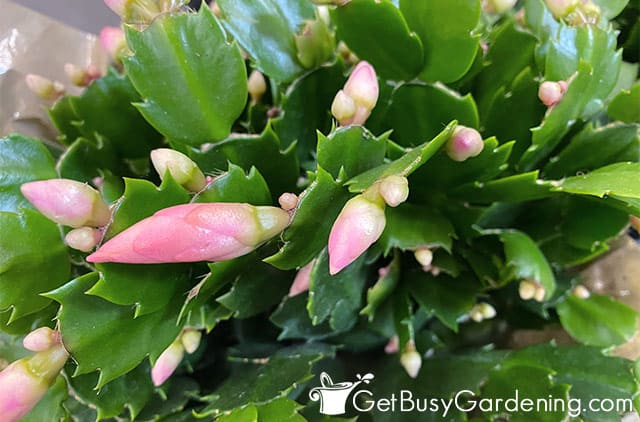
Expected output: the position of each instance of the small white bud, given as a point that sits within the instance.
(411, 360)
(424, 256)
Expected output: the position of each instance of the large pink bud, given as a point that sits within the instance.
(358, 226)
(68, 202)
(194, 232)
(25, 382)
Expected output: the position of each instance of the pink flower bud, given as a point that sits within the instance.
(394, 190)
(411, 360)
(358, 226)
(194, 232)
(288, 201)
(43, 87)
(83, 239)
(464, 143)
(25, 382)
(256, 85)
(191, 340)
(68, 202)
(301, 282)
(550, 93)
(167, 363)
(561, 8)
(182, 168)
(113, 41)
(362, 85)
(41, 339)
(392, 346)
(343, 108)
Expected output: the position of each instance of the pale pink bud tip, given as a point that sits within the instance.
(182, 168)
(41, 339)
(424, 256)
(394, 190)
(256, 85)
(43, 87)
(359, 225)
(167, 363)
(464, 143)
(191, 340)
(411, 360)
(561, 8)
(25, 382)
(194, 232)
(550, 93)
(362, 85)
(113, 40)
(392, 346)
(68, 202)
(288, 201)
(118, 6)
(301, 282)
(83, 239)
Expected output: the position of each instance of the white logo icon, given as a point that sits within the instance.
(333, 397)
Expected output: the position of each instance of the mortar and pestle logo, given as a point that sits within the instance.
(333, 397)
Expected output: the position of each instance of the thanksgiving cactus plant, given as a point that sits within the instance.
(260, 191)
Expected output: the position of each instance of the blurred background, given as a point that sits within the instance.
(87, 15)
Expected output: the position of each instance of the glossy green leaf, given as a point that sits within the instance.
(503, 383)
(265, 30)
(337, 298)
(449, 43)
(614, 143)
(419, 112)
(261, 381)
(279, 168)
(395, 52)
(446, 297)
(611, 8)
(256, 291)
(93, 329)
(171, 68)
(50, 407)
(245, 414)
(410, 227)
(131, 391)
(22, 160)
(142, 199)
(308, 233)
(590, 224)
(305, 108)
(105, 108)
(610, 180)
(65, 119)
(85, 159)
(598, 320)
(293, 319)
(33, 260)
(180, 391)
(521, 187)
(405, 165)
(237, 186)
(591, 374)
(282, 410)
(527, 261)
(626, 105)
(353, 149)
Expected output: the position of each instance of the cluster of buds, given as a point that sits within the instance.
(411, 360)
(113, 40)
(551, 92)
(194, 232)
(256, 86)
(301, 282)
(315, 44)
(80, 76)
(465, 142)
(181, 168)
(24, 382)
(498, 6)
(531, 289)
(362, 221)
(166, 364)
(70, 203)
(575, 12)
(352, 105)
(44, 88)
(482, 311)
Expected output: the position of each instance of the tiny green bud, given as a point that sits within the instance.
(182, 168)
(315, 44)
(256, 85)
